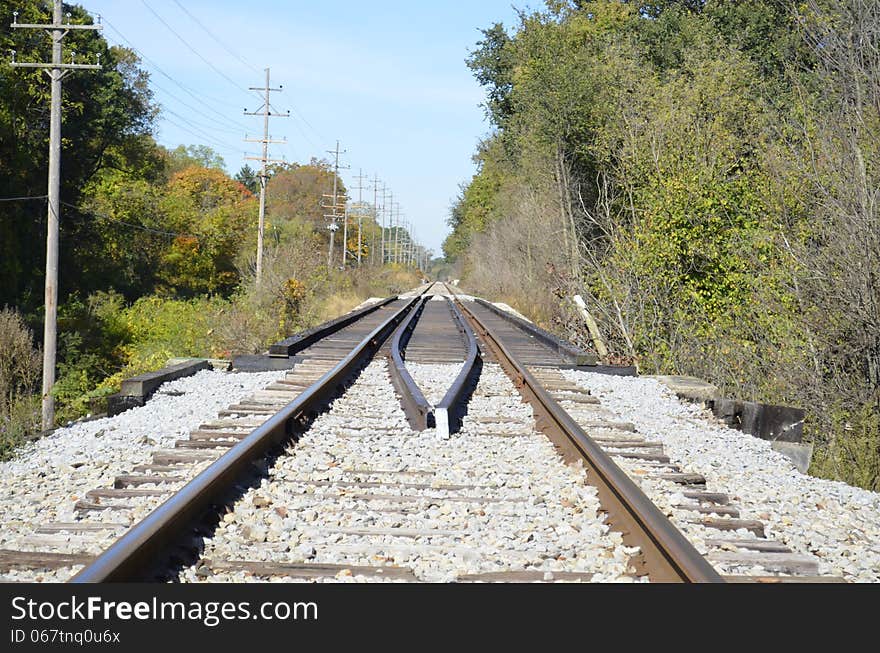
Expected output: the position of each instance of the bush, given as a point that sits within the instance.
(105, 341)
(851, 450)
(20, 368)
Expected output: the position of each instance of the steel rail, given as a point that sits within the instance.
(447, 413)
(419, 412)
(291, 346)
(665, 554)
(137, 550)
(575, 355)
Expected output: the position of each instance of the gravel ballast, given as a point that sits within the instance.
(837, 523)
(494, 498)
(46, 478)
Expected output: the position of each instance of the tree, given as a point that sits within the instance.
(248, 178)
(186, 156)
(211, 215)
(296, 191)
(704, 172)
(107, 115)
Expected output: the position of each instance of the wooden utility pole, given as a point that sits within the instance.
(375, 216)
(266, 112)
(334, 215)
(360, 189)
(386, 196)
(395, 209)
(57, 71)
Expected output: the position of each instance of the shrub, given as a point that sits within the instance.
(20, 368)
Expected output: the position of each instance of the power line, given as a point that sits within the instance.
(300, 117)
(205, 133)
(192, 49)
(309, 125)
(211, 34)
(104, 216)
(180, 85)
(221, 126)
(24, 199)
(252, 67)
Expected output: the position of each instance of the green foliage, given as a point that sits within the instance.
(19, 380)
(90, 340)
(103, 341)
(853, 453)
(700, 171)
(189, 156)
(248, 178)
(476, 207)
(160, 329)
(211, 213)
(106, 116)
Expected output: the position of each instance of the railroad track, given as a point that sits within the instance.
(399, 448)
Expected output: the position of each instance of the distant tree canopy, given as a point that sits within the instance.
(137, 218)
(193, 155)
(158, 245)
(296, 191)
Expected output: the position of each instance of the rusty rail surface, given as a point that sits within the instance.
(148, 542)
(665, 554)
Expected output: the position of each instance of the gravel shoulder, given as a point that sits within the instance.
(835, 522)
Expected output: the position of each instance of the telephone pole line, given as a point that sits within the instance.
(360, 189)
(384, 235)
(266, 112)
(375, 216)
(387, 206)
(57, 71)
(334, 215)
(396, 206)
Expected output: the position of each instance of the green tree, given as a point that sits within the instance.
(210, 214)
(187, 156)
(107, 114)
(248, 178)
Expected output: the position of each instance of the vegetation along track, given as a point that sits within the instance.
(448, 478)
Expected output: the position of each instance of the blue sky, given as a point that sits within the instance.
(386, 78)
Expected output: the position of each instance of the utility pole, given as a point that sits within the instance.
(386, 240)
(57, 71)
(334, 215)
(396, 231)
(266, 112)
(360, 189)
(375, 215)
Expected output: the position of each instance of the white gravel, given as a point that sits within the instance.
(45, 479)
(514, 505)
(433, 385)
(837, 523)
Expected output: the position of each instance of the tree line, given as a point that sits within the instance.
(706, 175)
(157, 244)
